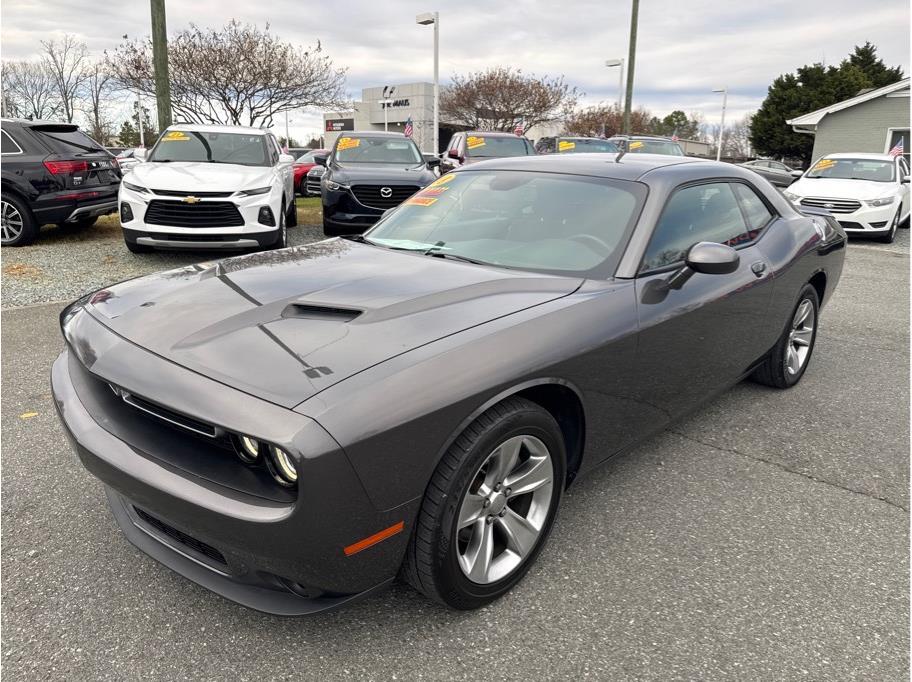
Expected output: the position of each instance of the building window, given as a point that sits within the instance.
(894, 135)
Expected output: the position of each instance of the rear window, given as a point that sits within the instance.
(67, 140)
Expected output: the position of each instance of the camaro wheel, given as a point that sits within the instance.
(891, 235)
(489, 507)
(786, 363)
(17, 225)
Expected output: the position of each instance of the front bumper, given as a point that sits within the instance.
(873, 220)
(343, 214)
(279, 555)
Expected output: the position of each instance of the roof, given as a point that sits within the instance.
(30, 123)
(489, 133)
(860, 155)
(640, 137)
(209, 128)
(620, 166)
(810, 121)
(372, 133)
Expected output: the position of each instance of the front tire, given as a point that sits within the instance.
(281, 234)
(19, 227)
(787, 362)
(891, 234)
(489, 507)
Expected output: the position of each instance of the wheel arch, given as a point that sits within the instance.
(819, 281)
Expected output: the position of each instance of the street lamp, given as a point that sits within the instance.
(385, 104)
(427, 19)
(724, 91)
(618, 62)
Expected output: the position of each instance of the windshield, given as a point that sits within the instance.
(206, 147)
(853, 169)
(483, 147)
(377, 150)
(549, 222)
(575, 145)
(655, 147)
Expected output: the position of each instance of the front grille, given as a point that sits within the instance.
(203, 214)
(832, 205)
(163, 413)
(847, 225)
(194, 237)
(185, 193)
(373, 195)
(196, 545)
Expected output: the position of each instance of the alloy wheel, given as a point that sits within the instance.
(504, 510)
(800, 337)
(11, 222)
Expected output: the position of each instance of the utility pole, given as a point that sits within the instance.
(724, 92)
(139, 113)
(160, 63)
(631, 59)
(427, 19)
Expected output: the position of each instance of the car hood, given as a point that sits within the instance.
(840, 188)
(200, 177)
(284, 325)
(348, 173)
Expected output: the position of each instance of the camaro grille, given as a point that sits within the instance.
(832, 205)
(202, 214)
(383, 196)
(170, 531)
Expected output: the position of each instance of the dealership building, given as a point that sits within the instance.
(408, 100)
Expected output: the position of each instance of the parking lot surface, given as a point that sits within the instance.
(764, 538)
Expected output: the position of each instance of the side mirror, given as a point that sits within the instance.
(286, 158)
(140, 153)
(796, 173)
(905, 179)
(454, 154)
(320, 159)
(433, 163)
(708, 258)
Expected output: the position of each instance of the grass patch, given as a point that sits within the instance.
(310, 210)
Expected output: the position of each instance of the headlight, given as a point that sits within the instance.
(883, 201)
(794, 198)
(333, 186)
(135, 188)
(282, 466)
(254, 192)
(248, 449)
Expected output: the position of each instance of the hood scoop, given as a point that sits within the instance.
(308, 311)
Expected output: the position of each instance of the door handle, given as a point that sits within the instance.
(758, 268)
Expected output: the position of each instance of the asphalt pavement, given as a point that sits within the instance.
(764, 538)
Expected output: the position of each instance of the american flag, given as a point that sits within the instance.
(520, 128)
(674, 136)
(897, 149)
(409, 129)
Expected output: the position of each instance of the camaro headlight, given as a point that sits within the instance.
(883, 201)
(794, 198)
(283, 468)
(136, 188)
(254, 192)
(333, 186)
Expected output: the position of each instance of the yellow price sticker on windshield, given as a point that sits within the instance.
(420, 201)
(823, 164)
(177, 136)
(432, 191)
(475, 142)
(442, 180)
(347, 143)
(636, 144)
(564, 146)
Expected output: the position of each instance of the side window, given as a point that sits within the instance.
(701, 213)
(454, 143)
(9, 145)
(756, 212)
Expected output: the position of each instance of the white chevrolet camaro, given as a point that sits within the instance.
(867, 193)
(209, 187)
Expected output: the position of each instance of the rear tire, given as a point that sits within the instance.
(19, 227)
(784, 366)
(475, 537)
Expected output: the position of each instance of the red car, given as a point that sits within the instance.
(303, 164)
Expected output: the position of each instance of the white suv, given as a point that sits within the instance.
(866, 193)
(209, 187)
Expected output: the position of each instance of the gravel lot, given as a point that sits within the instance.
(765, 538)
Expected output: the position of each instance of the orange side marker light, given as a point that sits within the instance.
(372, 540)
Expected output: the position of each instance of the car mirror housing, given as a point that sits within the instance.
(286, 158)
(433, 163)
(905, 179)
(709, 258)
(320, 159)
(796, 173)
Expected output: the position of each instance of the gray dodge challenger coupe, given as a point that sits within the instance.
(293, 429)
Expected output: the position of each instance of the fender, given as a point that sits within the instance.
(17, 185)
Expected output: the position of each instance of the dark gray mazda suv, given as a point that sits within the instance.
(293, 429)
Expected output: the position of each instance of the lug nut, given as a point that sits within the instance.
(490, 519)
(487, 502)
(497, 487)
(503, 512)
(509, 492)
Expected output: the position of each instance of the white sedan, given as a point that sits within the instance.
(209, 187)
(867, 193)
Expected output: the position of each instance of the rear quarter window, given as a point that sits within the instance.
(9, 145)
(67, 141)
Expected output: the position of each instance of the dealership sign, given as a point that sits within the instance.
(335, 125)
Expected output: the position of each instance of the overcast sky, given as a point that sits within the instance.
(685, 48)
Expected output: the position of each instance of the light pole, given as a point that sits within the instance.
(724, 91)
(618, 62)
(424, 20)
(631, 63)
(287, 138)
(385, 104)
(139, 112)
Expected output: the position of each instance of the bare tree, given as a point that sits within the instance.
(605, 119)
(98, 88)
(238, 74)
(501, 97)
(30, 89)
(67, 62)
(737, 138)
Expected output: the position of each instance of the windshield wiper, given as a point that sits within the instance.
(360, 238)
(454, 256)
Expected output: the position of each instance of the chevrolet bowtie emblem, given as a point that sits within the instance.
(191, 200)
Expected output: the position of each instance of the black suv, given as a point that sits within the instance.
(52, 173)
(368, 173)
(574, 145)
(471, 146)
(647, 144)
